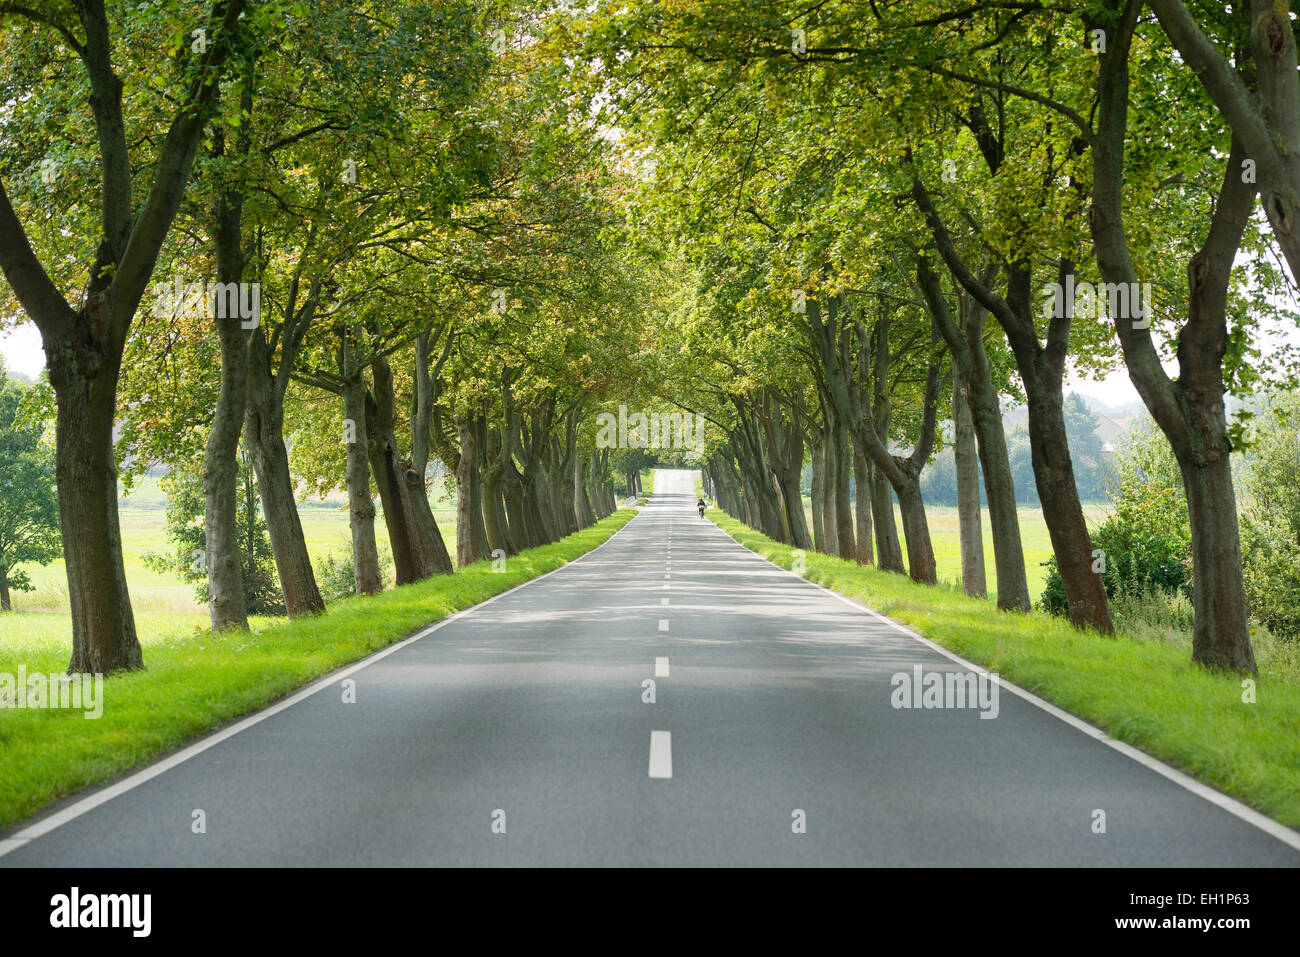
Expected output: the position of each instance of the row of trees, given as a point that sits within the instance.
(900, 212)
(344, 239)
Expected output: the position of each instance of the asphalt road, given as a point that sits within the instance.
(517, 734)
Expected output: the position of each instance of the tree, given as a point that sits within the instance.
(29, 507)
(144, 167)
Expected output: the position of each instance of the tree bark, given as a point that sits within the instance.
(264, 437)
(495, 523)
(843, 455)
(862, 484)
(471, 535)
(361, 504)
(226, 607)
(817, 490)
(970, 528)
(888, 547)
(418, 549)
(785, 450)
(436, 558)
(581, 506)
(103, 632)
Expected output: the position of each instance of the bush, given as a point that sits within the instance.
(1270, 532)
(1271, 564)
(1145, 546)
(336, 575)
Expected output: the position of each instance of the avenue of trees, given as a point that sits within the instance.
(902, 213)
(372, 233)
(290, 245)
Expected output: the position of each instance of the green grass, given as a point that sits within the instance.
(1147, 693)
(195, 681)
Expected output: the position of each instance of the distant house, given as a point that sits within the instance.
(1109, 429)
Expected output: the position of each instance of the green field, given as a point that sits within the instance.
(144, 530)
(946, 540)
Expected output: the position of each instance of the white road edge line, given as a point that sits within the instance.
(661, 668)
(661, 754)
(104, 795)
(1230, 804)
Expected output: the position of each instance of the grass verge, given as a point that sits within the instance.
(1145, 693)
(195, 682)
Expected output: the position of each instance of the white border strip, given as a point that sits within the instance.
(73, 811)
(1246, 813)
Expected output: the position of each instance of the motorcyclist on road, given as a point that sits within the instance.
(701, 506)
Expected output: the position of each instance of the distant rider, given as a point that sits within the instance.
(701, 506)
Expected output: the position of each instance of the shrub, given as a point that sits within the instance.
(336, 574)
(1271, 564)
(1270, 533)
(1145, 546)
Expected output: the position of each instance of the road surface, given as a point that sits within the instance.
(520, 734)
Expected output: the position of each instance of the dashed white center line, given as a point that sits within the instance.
(661, 754)
(663, 601)
(661, 668)
(663, 624)
(665, 586)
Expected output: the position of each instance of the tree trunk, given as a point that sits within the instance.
(418, 550)
(103, 626)
(4, 591)
(1042, 370)
(968, 494)
(264, 437)
(1221, 629)
(471, 535)
(888, 546)
(1000, 490)
(361, 504)
(220, 483)
(1054, 475)
(435, 557)
(495, 523)
(842, 508)
(862, 483)
(581, 506)
(817, 493)
(916, 532)
(226, 608)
